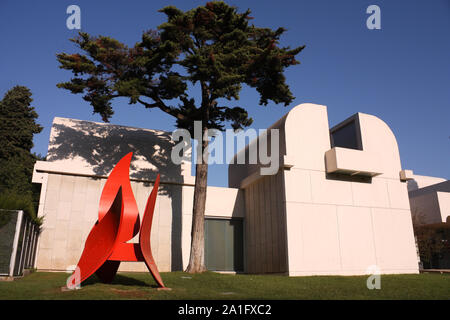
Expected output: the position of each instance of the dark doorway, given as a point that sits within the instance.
(224, 244)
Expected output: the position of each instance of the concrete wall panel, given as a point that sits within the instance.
(317, 226)
(298, 185)
(66, 228)
(356, 239)
(328, 191)
(265, 234)
(374, 194)
(394, 246)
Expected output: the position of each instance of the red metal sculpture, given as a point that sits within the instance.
(118, 222)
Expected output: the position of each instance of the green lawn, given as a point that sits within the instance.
(45, 285)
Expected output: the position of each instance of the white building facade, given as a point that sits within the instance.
(430, 203)
(336, 206)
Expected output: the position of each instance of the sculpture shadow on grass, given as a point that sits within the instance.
(119, 279)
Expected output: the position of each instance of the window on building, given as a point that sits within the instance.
(224, 244)
(347, 135)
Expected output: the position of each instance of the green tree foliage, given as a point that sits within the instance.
(18, 125)
(213, 48)
(433, 241)
(213, 44)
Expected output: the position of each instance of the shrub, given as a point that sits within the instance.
(13, 201)
(433, 241)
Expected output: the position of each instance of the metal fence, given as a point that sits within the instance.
(18, 243)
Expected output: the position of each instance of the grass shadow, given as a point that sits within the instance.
(120, 279)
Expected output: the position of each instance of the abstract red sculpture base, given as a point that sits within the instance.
(118, 222)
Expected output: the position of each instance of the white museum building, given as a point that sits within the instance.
(337, 205)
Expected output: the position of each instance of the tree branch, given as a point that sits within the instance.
(148, 105)
(163, 107)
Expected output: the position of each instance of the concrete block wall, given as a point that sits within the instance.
(431, 204)
(336, 224)
(343, 227)
(71, 210)
(265, 226)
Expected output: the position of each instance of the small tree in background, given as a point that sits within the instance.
(433, 240)
(18, 125)
(212, 46)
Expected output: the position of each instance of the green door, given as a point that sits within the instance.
(224, 244)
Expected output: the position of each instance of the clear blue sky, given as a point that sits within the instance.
(400, 73)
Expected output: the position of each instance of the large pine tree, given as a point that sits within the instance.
(212, 46)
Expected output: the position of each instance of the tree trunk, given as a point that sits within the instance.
(197, 256)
